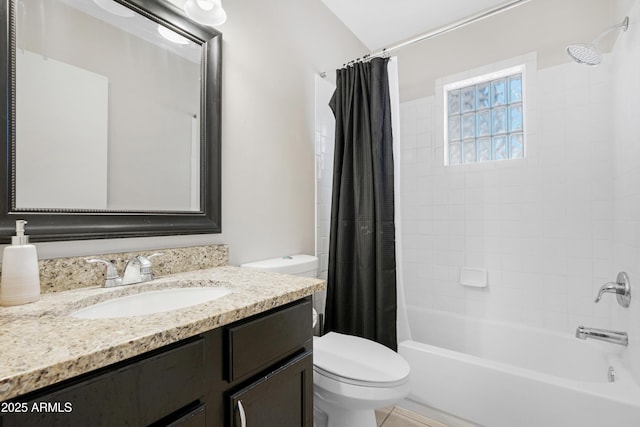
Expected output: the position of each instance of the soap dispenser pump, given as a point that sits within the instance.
(20, 280)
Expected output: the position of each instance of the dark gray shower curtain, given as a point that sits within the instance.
(361, 284)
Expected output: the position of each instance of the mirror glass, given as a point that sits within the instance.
(107, 110)
(111, 116)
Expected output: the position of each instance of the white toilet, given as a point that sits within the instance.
(352, 376)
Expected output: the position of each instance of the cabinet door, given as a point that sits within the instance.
(284, 398)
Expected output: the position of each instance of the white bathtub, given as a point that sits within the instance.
(500, 375)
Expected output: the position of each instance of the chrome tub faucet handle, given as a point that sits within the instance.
(621, 287)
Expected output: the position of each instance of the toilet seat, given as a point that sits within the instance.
(345, 380)
(358, 361)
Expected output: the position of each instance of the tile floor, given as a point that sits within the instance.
(399, 417)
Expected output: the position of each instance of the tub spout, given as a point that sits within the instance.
(614, 337)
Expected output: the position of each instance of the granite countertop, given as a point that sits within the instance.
(42, 344)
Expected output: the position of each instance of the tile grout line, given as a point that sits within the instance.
(387, 416)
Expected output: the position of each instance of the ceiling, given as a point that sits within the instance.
(387, 22)
(542, 26)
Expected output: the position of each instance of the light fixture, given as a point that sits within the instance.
(206, 12)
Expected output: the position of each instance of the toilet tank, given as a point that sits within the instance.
(299, 265)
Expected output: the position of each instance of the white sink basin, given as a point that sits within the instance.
(151, 302)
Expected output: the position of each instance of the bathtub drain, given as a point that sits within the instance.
(611, 374)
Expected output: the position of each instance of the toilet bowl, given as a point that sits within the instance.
(353, 376)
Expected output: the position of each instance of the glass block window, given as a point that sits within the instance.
(485, 119)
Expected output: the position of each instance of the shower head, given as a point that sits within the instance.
(585, 53)
(588, 53)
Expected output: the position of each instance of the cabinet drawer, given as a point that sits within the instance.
(134, 394)
(255, 345)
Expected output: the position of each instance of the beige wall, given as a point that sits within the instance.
(271, 50)
(543, 26)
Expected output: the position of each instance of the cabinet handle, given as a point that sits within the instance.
(243, 416)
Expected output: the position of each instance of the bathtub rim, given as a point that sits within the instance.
(625, 391)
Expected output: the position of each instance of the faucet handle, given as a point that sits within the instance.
(154, 255)
(609, 287)
(145, 266)
(621, 287)
(111, 277)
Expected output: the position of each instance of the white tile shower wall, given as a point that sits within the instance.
(542, 226)
(626, 178)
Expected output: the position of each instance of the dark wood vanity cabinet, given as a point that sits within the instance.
(269, 368)
(258, 371)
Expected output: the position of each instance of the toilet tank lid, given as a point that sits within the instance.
(290, 264)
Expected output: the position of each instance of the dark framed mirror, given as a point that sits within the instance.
(110, 120)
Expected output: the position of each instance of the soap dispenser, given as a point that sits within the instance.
(20, 280)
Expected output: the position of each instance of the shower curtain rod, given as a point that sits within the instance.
(439, 31)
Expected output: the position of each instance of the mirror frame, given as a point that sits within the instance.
(60, 225)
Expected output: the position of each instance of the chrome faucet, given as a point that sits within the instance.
(621, 287)
(138, 269)
(145, 266)
(132, 273)
(614, 337)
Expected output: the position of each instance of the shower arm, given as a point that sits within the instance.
(624, 25)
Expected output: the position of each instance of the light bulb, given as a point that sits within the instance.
(208, 13)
